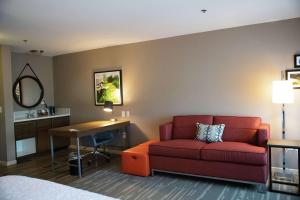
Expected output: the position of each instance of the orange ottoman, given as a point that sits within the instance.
(136, 160)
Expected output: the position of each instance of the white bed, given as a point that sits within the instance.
(25, 188)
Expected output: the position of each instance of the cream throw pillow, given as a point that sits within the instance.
(210, 133)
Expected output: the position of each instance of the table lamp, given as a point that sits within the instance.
(283, 93)
(108, 107)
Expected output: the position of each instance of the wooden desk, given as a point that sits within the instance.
(292, 144)
(85, 129)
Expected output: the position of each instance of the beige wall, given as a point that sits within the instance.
(224, 72)
(42, 66)
(2, 117)
(7, 137)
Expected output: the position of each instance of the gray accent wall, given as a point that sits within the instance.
(42, 66)
(10, 66)
(223, 72)
(7, 137)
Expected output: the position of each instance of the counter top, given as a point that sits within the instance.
(21, 116)
(41, 117)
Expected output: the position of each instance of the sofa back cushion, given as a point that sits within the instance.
(239, 129)
(184, 127)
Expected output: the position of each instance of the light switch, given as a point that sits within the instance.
(127, 113)
(123, 114)
(0, 109)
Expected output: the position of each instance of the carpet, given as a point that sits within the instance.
(113, 183)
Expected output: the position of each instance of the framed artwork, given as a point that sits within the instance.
(108, 87)
(294, 76)
(297, 61)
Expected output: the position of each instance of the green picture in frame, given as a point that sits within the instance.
(108, 87)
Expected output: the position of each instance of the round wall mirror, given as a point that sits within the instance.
(28, 91)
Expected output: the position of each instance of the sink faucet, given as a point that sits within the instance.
(30, 114)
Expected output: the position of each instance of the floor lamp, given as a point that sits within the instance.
(283, 93)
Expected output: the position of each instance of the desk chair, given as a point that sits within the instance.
(99, 141)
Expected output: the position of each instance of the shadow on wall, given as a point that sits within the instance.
(136, 136)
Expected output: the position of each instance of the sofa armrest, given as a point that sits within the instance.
(263, 134)
(165, 131)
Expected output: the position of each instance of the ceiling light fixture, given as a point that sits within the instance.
(36, 52)
(203, 10)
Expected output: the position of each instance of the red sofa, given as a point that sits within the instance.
(242, 156)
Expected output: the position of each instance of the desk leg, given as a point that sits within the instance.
(270, 170)
(127, 136)
(52, 152)
(78, 157)
(299, 171)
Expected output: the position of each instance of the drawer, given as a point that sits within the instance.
(44, 124)
(25, 130)
(60, 121)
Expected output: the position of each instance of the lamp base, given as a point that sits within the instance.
(113, 119)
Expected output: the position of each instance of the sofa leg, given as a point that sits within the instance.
(152, 172)
(261, 188)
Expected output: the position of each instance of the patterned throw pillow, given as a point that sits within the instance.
(210, 133)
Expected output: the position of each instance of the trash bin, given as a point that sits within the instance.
(73, 161)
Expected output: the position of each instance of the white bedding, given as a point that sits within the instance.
(25, 188)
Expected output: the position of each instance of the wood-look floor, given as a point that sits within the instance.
(39, 166)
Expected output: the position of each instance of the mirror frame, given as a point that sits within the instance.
(16, 97)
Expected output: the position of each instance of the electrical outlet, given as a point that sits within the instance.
(124, 135)
(123, 114)
(0, 109)
(127, 113)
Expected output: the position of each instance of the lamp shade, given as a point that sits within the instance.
(283, 92)
(108, 106)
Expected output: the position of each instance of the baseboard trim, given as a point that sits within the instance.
(8, 163)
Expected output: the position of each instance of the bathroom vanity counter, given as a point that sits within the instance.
(21, 116)
(25, 119)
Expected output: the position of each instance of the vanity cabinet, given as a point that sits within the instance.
(43, 140)
(34, 135)
(25, 130)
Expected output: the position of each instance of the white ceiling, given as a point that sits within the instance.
(64, 26)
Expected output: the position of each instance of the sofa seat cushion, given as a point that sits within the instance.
(189, 149)
(236, 152)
